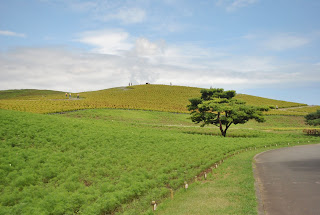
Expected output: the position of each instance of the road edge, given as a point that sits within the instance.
(258, 185)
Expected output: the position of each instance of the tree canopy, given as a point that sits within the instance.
(313, 118)
(220, 108)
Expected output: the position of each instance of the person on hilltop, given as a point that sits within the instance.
(78, 96)
(66, 95)
(69, 95)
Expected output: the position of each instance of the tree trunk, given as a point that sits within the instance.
(225, 130)
(221, 129)
(224, 133)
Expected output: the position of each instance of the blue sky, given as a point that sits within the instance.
(258, 47)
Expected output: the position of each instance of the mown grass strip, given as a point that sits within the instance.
(229, 189)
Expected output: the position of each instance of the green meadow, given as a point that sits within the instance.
(117, 161)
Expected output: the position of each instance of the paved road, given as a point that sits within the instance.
(288, 181)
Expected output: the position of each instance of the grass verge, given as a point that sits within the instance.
(229, 189)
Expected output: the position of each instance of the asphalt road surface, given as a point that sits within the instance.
(288, 181)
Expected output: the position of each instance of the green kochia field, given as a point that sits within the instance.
(111, 161)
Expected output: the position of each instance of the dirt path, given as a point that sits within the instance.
(295, 107)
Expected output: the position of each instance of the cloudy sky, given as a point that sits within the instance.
(258, 47)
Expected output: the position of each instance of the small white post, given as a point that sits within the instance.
(186, 185)
(154, 205)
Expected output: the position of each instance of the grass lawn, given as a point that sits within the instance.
(229, 189)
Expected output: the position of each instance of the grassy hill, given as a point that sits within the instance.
(260, 101)
(27, 93)
(141, 97)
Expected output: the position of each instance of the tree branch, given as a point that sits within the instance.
(227, 126)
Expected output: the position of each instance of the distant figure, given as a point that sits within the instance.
(78, 96)
(69, 95)
(170, 84)
(66, 95)
(276, 106)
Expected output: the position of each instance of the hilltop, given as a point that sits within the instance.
(140, 97)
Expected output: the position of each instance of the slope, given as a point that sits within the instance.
(141, 97)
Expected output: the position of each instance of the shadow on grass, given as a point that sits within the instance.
(234, 134)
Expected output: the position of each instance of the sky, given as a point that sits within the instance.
(257, 47)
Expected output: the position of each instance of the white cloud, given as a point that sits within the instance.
(11, 34)
(168, 27)
(59, 69)
(157, 63)
(106, 41)
(82, 6)
(126, 11)
(154, 51)
(283, 42)
(117, 59)
(246, 64)
(249, 36)
(233, 5)
(239, 4)
(126, 15)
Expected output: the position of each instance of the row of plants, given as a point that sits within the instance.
(274, 104)
(142, 97)
(298, 111)
(102, 163)
(28, 94)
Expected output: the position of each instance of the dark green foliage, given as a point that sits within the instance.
(216, 93)
(219, 107)
(313, 118)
